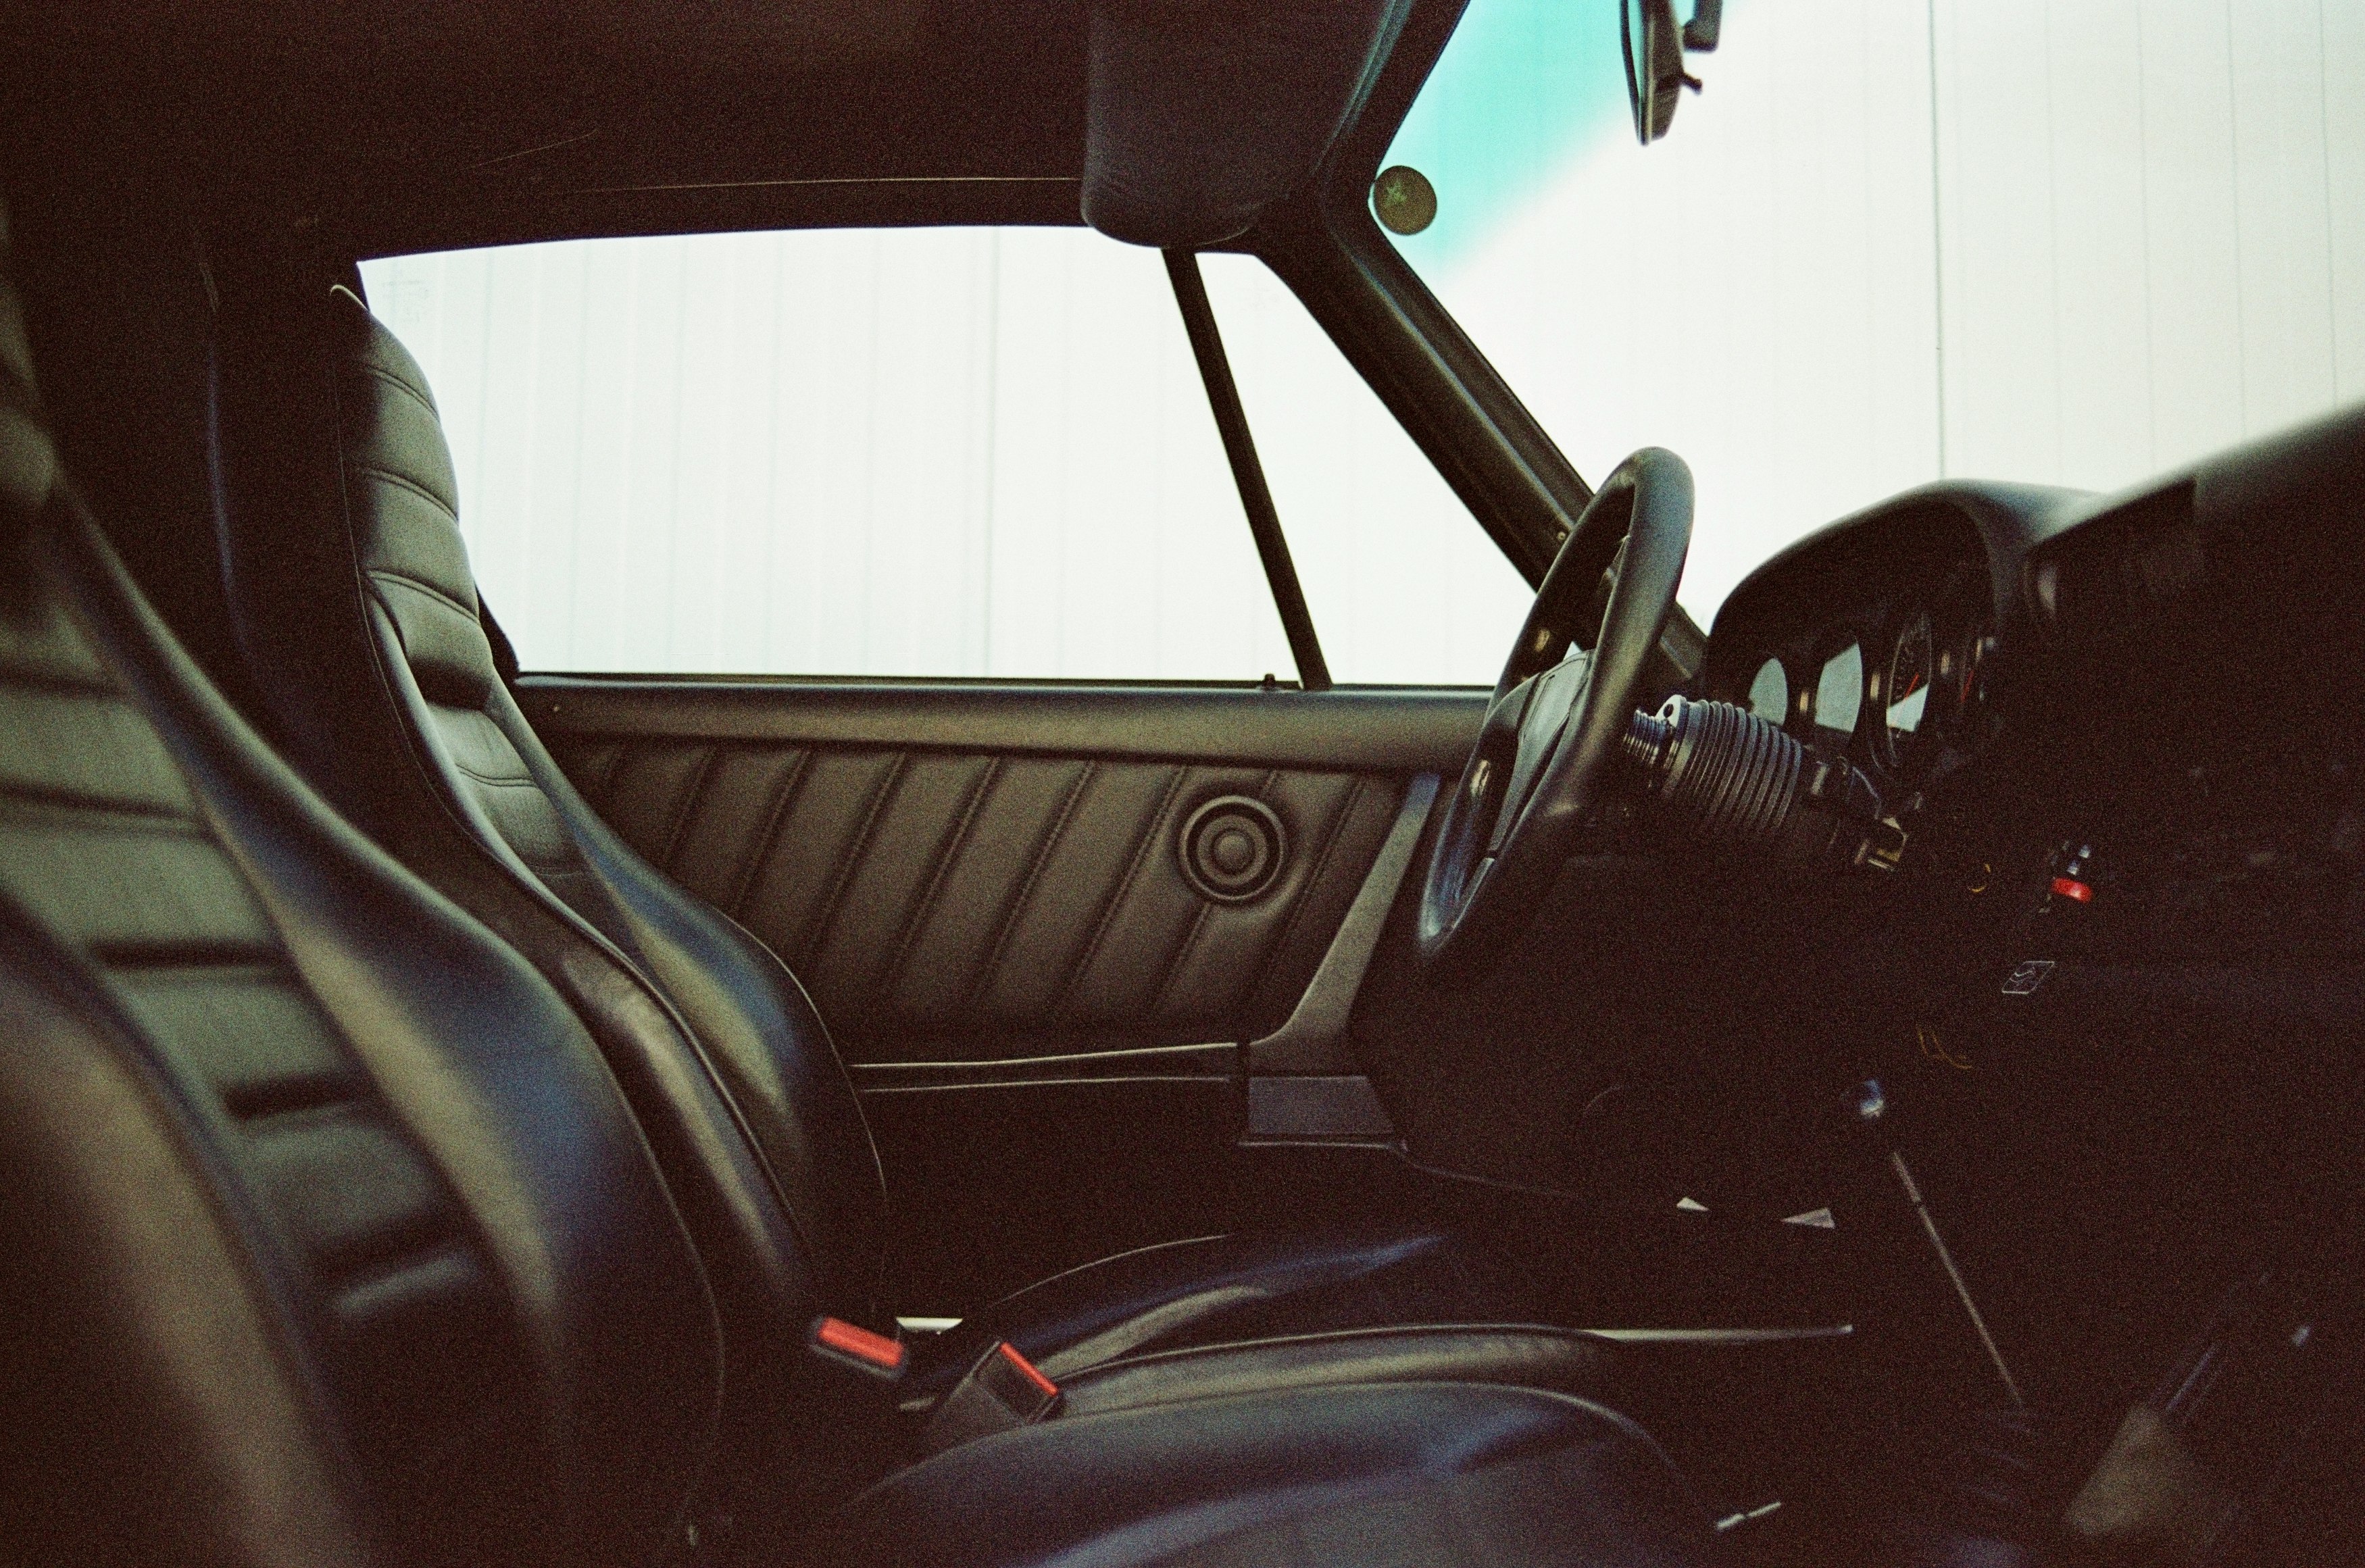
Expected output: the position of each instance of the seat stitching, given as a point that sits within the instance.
(78, 805)
(498, 780)
(418, 585)
(405, 482)
(982, 985)
(789, 788)
(1084, 962)
(85, 815)
(391, 379)
(817, 928)
(13, 676)
(1314, 879)
(687, 808)
(946, 856)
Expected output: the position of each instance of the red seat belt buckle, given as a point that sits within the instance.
(1002, 1389)
(1042, 1390)
(854, 1346)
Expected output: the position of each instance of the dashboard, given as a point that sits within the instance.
(1882, 636)
(2145, 699)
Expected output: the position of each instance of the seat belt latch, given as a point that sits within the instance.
(1002, 1389)
(850, 1345)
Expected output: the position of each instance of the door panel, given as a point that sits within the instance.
(982, 873)
(981, 887)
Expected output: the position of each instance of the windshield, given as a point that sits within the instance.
(1890, 242)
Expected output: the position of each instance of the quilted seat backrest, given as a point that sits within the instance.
(327, 1235)
(349, 585)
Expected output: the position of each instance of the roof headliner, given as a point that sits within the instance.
(364, 106)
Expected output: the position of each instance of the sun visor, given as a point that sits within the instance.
(1203, 113)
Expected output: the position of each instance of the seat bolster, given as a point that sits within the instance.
(1216, 1288)
(1437, 1475)
(1516, 1355)
(159, 1377)
(759, 1028)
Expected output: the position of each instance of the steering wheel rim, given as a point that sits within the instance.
(1556, 722)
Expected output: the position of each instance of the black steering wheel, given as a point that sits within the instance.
(1557, 720)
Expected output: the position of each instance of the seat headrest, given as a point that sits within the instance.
(404, 508)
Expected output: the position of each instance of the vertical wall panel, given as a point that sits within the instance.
(2098, 317)
(2282, 221)
(2141, 238)
(2190, 237)
(2137, 236)
(2341, 32)
(916, 451)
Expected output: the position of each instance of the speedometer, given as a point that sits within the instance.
(1905, 692)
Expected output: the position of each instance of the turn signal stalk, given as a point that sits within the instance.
(1722, 774)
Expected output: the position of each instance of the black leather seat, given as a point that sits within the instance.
(1448, 1476)
(358, 615)
(328, 1237)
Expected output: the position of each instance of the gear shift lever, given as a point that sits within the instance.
(1869, 1104)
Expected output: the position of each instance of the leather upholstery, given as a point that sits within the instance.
(329, 1239)
(1531, 1356)
(327, 1227)
(1217, 1288)
(352, 592)
(952, 904)
(353, 595)
(1438, 1476)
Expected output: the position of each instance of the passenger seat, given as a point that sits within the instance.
(328, 1237)
(351, 589)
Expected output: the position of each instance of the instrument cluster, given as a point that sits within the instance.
(1890, 666)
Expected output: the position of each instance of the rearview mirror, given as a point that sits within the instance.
(1654, 47)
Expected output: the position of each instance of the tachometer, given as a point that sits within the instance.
(1905, 693)
(1963, 667)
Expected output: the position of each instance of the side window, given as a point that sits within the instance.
(1403, 584)
(921, 452)
(903, 452)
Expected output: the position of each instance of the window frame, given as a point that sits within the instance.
(1321, 241)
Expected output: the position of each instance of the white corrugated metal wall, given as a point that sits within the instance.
(921, 452)
(2141, 237)
(1893, 239)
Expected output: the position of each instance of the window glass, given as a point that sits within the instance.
(1403, 584)
(1891, 242)
(907, 451)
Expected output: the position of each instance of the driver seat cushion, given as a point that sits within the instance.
(356, 610)
(1186, 1295)
(1235, 1315)
(1447, 1476)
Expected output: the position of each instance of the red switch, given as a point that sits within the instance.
(2071, 887)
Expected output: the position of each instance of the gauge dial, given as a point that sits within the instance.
(1965, 670)
(1839, 692)
(1906, 689)
(1769, 692)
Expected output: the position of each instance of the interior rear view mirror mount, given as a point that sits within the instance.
(1655, 45)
